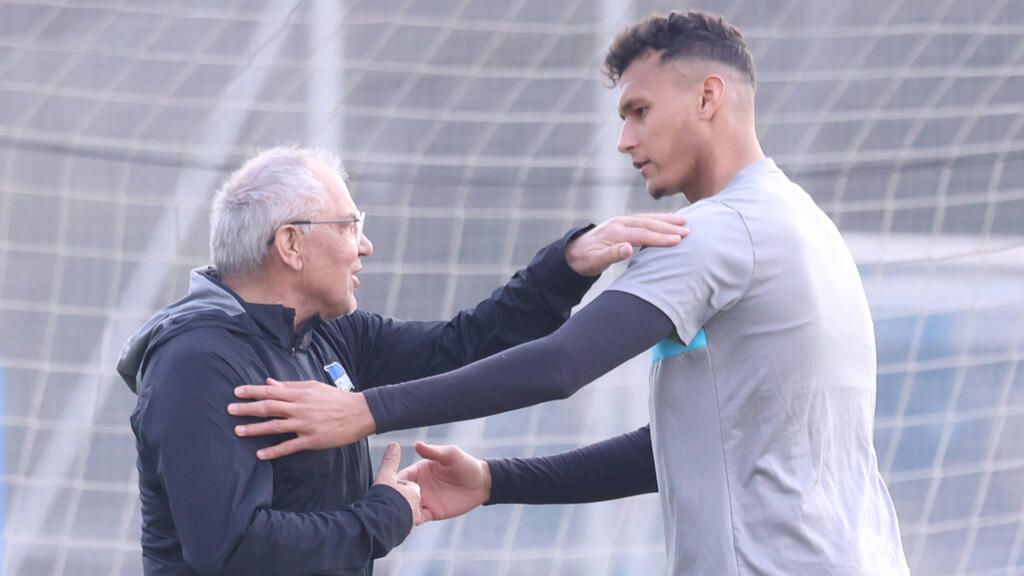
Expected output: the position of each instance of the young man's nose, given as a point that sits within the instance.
(627, 140)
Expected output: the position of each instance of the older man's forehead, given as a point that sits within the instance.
(338, 196)
(344, 195)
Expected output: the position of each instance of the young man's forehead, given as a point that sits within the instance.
(653, 67)
(641, 76)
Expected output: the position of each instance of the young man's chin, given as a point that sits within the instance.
(660, 190)
(657, 192)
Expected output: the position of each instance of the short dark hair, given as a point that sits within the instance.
(692, 35)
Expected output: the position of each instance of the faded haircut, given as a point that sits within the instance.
(694, 35)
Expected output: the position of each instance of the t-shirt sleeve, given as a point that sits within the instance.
(704, 274)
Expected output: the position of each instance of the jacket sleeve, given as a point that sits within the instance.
(220, 494)
(614, 468)
(536, 301)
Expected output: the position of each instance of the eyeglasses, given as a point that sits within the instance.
(359, 220)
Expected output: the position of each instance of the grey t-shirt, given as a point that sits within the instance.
(762, 408)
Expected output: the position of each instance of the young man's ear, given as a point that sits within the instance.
(711, 97)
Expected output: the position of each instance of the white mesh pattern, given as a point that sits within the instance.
(475, 131)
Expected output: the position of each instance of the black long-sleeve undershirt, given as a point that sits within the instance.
(612, 329)
(614, 468)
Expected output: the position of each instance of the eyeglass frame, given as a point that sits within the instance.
(359, 220)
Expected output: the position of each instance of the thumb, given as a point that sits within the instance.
(428, 451)
(389, 464)
(442, 454)
(619, 252)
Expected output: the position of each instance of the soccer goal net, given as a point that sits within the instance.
(475, 131)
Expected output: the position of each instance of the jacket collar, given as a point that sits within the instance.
(275, 321)
(278, 323)
(213, 302)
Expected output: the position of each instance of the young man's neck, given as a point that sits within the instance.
(727, 160)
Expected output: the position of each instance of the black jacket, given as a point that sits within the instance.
(209, 506)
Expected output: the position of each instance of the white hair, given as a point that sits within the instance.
(273, 187)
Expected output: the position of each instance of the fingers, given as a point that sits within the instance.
(411, 492)
(426, 515)
(414, 499)
(272, 392)
(413, 485)
(274, 398)
(276, 390)
(261, 409)
(645, 237)
(283, 449)
(669, 217)
(268, 428)
(389, 463)
(410, 473)
(295, 385)
(613, 254)
(668, 224)
(659, 226)
(643, 230)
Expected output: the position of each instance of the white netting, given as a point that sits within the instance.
(475, 131)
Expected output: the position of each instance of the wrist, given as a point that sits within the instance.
(485, 487)
(572, 259)
(486, 480)
(366, 423)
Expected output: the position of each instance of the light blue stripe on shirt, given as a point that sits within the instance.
(669, 347)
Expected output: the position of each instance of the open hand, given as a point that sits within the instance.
(613, 240)
(321, 416)
(451, 481)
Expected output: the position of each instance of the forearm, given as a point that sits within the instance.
(612, 329)
(533, 303)
(615, 468)
(277, 542)
(236, 531)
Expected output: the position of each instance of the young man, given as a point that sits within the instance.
(763, 377)
(287, 243)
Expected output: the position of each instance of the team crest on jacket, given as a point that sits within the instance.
(338, 376)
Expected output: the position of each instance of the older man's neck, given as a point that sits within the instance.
(259, 289)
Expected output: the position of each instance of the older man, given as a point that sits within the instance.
(287, 244)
